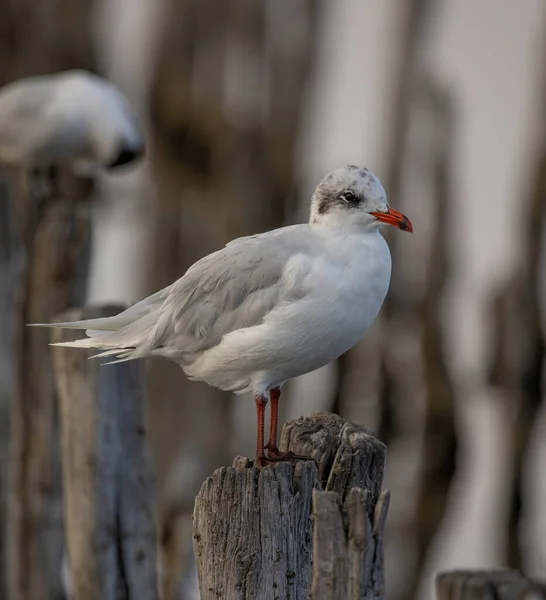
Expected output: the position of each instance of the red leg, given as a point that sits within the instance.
(261, 403)
(274, 394)
(273, 452)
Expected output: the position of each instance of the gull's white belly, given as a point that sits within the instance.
(315, 340)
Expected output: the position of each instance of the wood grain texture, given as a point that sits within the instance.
(251, 532)
(347, 455)
(498, 584)
(517, 335)
(348, 546)
(108, 476)
(296, 533)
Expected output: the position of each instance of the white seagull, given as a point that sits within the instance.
(71, 117)
(268, 307)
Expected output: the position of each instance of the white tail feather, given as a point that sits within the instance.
(123, 353)
(102, 324)
(119, 360)
(94, 343)
(105, 353)
(119, 336)
(84, 343)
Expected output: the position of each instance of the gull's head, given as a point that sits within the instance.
(353, 196)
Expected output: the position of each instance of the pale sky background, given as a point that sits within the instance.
(488, 53)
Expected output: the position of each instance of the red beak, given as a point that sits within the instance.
(395, 218)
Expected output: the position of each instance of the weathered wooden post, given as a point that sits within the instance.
(108, 476)
(43, 142)
(497, 584)
(52, 229)
(313, 531)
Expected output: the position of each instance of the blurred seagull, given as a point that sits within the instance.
(72, 117)
(268, 307)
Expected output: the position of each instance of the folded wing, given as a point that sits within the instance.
(231, 289)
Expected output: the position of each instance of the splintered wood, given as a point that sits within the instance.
(297, 533)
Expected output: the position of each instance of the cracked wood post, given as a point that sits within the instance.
(108, 475)
(297, 533)
(497, 584)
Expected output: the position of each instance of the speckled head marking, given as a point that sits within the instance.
(348, 190)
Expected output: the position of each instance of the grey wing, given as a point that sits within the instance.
(23, 106)
(231, 289)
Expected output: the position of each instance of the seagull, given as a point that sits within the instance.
(72, 117)
(268, 307)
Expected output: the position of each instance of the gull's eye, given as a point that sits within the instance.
(349, 198)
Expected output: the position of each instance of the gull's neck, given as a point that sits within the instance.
(341, 222)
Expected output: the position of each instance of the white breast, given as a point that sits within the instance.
(345, 303)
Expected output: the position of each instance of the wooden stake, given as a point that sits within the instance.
(108, 476)
(253, 529)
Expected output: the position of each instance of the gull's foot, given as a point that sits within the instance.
(274, 455)
(264, 461)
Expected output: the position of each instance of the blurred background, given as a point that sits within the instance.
(246, 105)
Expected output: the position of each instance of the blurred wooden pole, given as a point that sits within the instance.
(253, 532)
(38, 38)
(108, 476)
(498, 584)
(53, 230)
(518, 340)
(419, 384)
(7, 279)
(409, 71)
(439, 442)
